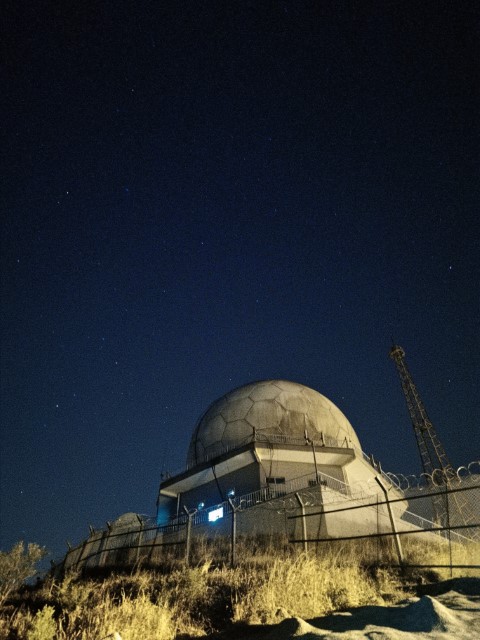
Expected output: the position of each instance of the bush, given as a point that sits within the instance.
(43, 625)
(17, 565)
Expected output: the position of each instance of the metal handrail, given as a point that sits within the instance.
(318, 439)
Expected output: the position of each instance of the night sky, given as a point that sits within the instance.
(199, 194)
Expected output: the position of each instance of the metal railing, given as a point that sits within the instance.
(318, 439)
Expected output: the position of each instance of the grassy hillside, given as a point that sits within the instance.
(174, 600)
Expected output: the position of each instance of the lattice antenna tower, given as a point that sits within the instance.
(432, 454)
(434, 459)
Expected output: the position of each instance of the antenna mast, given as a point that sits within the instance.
(435, 463)
(432, 453)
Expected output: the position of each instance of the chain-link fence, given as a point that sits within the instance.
(396, 520)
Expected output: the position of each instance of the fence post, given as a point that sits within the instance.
(396, 537)
(233, 557)
(304, 522)
(153, 546)
(449, 531)
(102, 547)
(190, 515)
(139, 541)
(82, 553)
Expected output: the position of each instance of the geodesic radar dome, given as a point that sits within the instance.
(276, 411)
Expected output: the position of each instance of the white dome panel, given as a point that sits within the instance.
(265, 414)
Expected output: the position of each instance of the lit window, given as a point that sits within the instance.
(215, 514)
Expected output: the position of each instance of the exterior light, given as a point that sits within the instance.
(231, 493)
(200, 506)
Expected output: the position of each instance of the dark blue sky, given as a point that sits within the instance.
(200, 194)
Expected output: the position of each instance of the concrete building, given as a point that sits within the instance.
(277, 459)
(266, 440)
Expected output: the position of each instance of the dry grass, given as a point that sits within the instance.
(136, 618)
(268, 585)
(303, 586)
(138, 607)
(440, 552)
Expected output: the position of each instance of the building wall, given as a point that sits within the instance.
(242, 481)
(263, 468)
(293, 470)
(252, 478)
(273, 469)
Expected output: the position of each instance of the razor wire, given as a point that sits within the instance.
(437, 478)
